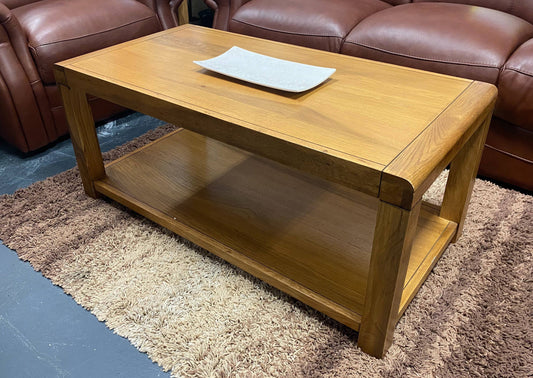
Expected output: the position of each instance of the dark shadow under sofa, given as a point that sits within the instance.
(486, 40)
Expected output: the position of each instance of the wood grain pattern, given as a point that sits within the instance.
(83, 136)
(339, 224)
(424, 257)
(279, 217)
(393, 238)
(305, 236)
(409, 176)
(461, 179)
(350, 128)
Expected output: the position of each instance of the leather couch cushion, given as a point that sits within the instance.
(397, 2)
(318, 24)
(520, 8)
(508, 156)
(59, 30)
(12, 4)
(515, 100)
(511, 139)
(500, 166)
(460, 40)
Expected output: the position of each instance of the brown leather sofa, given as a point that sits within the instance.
(488, 40)
(34, 34)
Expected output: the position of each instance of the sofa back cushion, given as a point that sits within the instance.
(397, 2)
(440, 37)
(12, 4)
(520, 8)
(319, 24)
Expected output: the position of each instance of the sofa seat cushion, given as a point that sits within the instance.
(313, 23)
(59, 30)
(455, 39)
(515, 100)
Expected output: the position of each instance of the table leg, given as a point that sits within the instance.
(393, 238)
(463, 171)
(83, 136)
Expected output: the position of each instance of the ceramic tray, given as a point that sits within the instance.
(267, 71)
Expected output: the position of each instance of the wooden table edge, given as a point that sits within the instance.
(351, 171)
(409, 175)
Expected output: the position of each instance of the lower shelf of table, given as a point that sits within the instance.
(310, 238)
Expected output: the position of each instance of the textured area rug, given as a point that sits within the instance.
(198, 316)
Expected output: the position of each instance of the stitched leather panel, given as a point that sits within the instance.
(454, 39)
(20, 120)
(25, 125)
(58, 30)
(519, 8)
(508, 156)
(511, 139)
(12, 4)
(515, 101)
(398, 2)
(319, 24)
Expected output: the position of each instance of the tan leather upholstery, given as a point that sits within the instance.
(488, 40)
(36, 34)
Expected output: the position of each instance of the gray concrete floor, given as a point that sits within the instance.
(44, 332)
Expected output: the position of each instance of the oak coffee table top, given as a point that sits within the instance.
(306, 170)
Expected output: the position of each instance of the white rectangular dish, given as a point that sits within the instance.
(267, 71)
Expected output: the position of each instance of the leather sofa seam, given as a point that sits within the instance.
(509, 154)
(93, 34)
(428, 59)
(286, 32)
(519, 71)
(7, 19)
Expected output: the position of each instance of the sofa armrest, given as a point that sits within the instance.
(224, 10)
(171, 13)
(25, 115)
(17, 39)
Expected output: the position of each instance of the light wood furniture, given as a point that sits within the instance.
(318, 193)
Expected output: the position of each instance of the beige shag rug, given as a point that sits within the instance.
(198, 316)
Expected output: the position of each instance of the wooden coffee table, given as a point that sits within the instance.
(318, 193)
